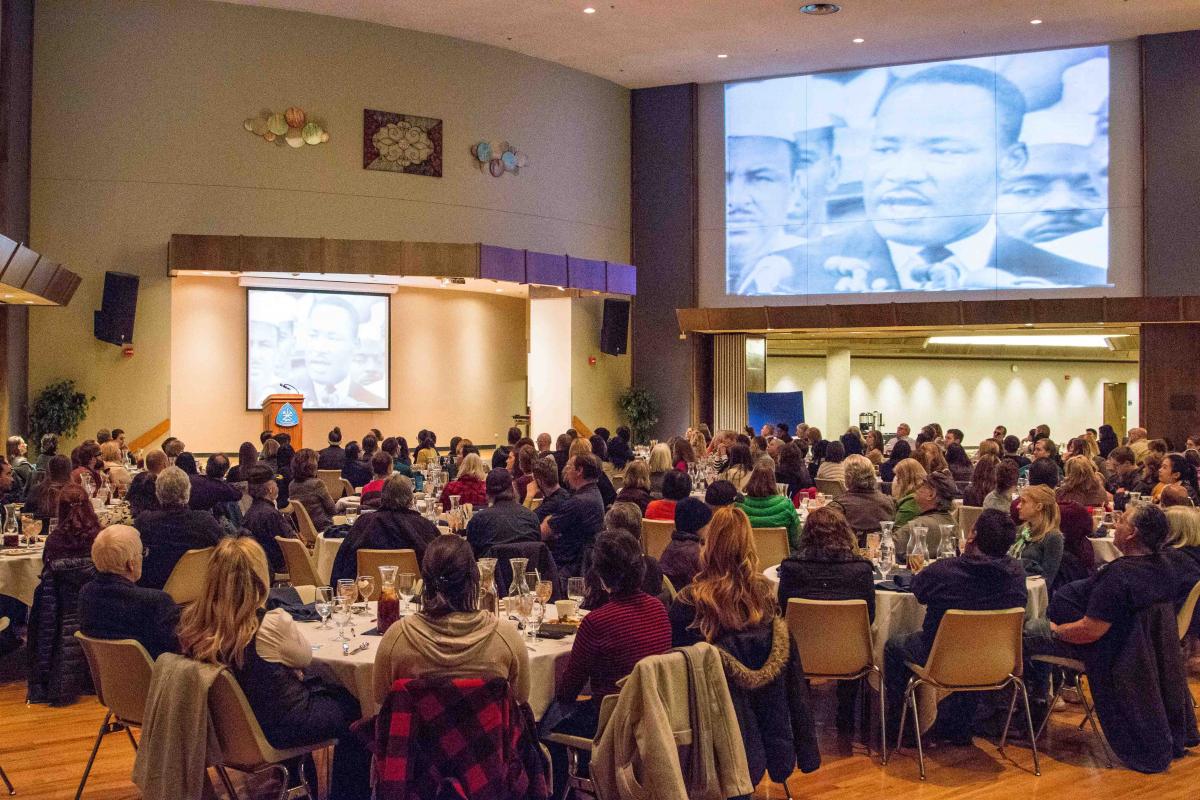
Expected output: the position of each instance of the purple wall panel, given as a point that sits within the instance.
(545, 268)
(501, 263)
(586, 273)
(622, 278)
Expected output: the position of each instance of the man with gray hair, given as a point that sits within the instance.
(395, 526)
(113, 606)
(174, 529)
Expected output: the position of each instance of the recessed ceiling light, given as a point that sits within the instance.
(820, 9)
(589, 10)
(722, 55)
(858, 40)
(1035, 22)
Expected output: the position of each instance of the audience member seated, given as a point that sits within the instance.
(210, 489)
(87, 462)
(873, 449)
(113, 606)
(909, 475)
(887, 470)
(113, 467)
(1083, 484)
(620, 454)
(356, 473)
(791, 468)
(77, 526)
(309, 490)
(831, 468)
(266, 652)
(42, 500)
(659, 464)
(523, 459)
(959, 463)
(611, 640)
(636, 487)
(933, 496)
(1176, 471)
(930, 457)
(382, 466)
(334, 455)
(862, 504)
(572, 529)
(828, 566)
(608, 493)
(680, 561)
(766, 507)
(395, 526)
(983, 578)
(1079, 557)
(1001, 497)
(1175, 495)
(247, 458)
(270, 455)
(450, 636)
(1183, 551)
(504, 520)
(1039, 543)
(263, 519)
(983, 481)
(721, 493)
(738, 466)
(545, 485)
(902, 436)
(468, 484)
(676, 486)
(15, 450)
(731, 605)
(170, 532)
(142, 494)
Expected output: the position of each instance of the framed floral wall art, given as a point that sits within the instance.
(402, 143)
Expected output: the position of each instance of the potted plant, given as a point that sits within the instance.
(59, 409)
(639, 410)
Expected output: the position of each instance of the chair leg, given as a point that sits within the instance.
(903, 720)
(1012, 704)
(7, 782)
(132, 740)
(1054, 701)
(912, 699)
(92, 758)
(883, 753)
(227, 783)
(1037, 768)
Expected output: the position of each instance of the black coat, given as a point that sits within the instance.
(57, 669)
(503, 522)
(385, 529)
(827, 576)
(332, 457)
(112, 607)
(539, 558)
(170, 533)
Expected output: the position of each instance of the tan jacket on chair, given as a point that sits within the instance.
(673, 734)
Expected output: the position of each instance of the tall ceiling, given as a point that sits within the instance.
(639, 43)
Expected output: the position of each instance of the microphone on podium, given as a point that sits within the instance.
(289, 386)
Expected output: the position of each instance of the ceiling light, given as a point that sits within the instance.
(1035, 22)
(820, 9)
(858, 40)
(722, 55)
(1038, 340)
(589, 10)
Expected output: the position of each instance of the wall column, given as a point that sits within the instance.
(549, 365)
(1169, 406)
(729, 381)
(837, 392)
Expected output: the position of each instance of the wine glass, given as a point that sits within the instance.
(575, 587)
(544, 591)
(325, 598)
(531, 580)
(405, 584)
(347, 589)
(366, 588)
(341, 616)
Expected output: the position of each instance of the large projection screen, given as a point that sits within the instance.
(331, 346)
(949, 176)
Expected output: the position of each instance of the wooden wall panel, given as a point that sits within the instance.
(1169, 392)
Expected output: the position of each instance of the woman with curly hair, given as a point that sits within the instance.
(909, 475)
(77, 526)
(1083, 484)
(731, 605)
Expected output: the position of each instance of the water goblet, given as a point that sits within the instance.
(405, 585)
(324, 598)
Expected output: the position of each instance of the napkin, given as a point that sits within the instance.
(286, 597)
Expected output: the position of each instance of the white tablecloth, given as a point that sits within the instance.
(20, 574)
(547, 660)
(1105, 549)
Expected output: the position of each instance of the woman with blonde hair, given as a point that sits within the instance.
(1039, 543)
(731, 605)
(1083, 483)
(636, 486)
(660, 465)
(264, 650)
(118, 477)
(697, 441)
(468, 484)
(930, 457)
(908, 477)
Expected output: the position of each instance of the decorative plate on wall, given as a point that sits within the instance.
(402, 143)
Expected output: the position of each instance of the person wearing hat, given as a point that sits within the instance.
(680, 561)
(263, 520)
(504, 520)
(934, 496)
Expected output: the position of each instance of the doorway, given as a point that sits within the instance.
(1116, 406)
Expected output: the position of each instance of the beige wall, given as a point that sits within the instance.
(137, 134)
(447, 373)
(594, 389)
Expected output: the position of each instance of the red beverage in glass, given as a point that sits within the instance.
(388, 610)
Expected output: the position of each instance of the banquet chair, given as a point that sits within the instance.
(244, 747)
(967, 516)
(332, 478)
(1077, 670)
(186, 582)
(347, 489)
(973, 651)
(834, 489)
(300, 567)
(4, 777)
(581, 785)
(656, 535)
(618, 481)
(121, 670)
(772, 546)
(369, 562)
(833, 640)
(304, 524)
(1184, 618)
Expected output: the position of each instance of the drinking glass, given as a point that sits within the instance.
(366, 588)
(524, 610)
(575, 588)
(918, 553)
(887, 559)
(873, 540)
(324, 597)
(531, 580)
(341, 616)
(886, 527)
(946, 542)
(404, 585)
(544, 591)
(347, 590)
(537, 612)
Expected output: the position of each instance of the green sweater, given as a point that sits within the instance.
(906, 510)
(775, 511)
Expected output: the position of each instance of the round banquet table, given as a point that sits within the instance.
(1105, 549)
(20, 572)
(547, 660)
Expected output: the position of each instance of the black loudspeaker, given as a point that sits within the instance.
(614, 333)
(113, 323)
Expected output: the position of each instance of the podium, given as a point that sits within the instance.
(284, 413)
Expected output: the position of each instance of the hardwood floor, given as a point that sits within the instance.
(44, 750)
